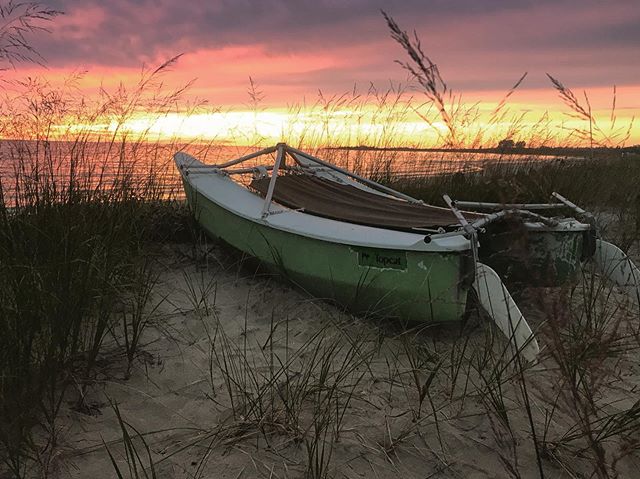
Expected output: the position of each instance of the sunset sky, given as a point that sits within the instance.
(293, 49)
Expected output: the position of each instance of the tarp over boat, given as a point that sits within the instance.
(329, 199)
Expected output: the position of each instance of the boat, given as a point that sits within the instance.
(376, 251)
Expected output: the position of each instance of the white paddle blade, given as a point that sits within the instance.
(616, 266)
(498, 303)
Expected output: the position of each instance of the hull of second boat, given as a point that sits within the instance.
(536, 257)
(409, 285)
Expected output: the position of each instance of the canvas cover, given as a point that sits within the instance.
(329, 199)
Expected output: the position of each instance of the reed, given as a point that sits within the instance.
(20, 22)
(77, 219)
(302, 392)
(139, 465)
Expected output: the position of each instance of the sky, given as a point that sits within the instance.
(294, 49)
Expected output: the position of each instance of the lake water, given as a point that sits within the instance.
(101, 164)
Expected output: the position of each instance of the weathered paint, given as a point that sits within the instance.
(535, 258)
(418, 286)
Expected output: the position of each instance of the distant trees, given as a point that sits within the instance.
(509, 144)
(506, 144)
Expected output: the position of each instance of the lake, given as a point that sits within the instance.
(102, 164)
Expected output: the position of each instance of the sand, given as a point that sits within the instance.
(388, 401)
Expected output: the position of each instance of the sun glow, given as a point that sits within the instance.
(395, 119)
(365, 125)
(250, 128)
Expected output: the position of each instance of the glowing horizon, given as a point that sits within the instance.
(360, 122)
(345, 52)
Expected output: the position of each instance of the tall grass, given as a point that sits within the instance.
(77, 216)
(617, 134)
(138, 467)
(21, 20)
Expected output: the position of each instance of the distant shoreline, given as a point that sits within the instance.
(556, 151)
(542, 151)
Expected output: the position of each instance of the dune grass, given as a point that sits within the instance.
(78, 217)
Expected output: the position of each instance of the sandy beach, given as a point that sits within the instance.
(242, 375)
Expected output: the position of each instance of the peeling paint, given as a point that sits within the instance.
(423, 266)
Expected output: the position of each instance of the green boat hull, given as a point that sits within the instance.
(409, 285)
